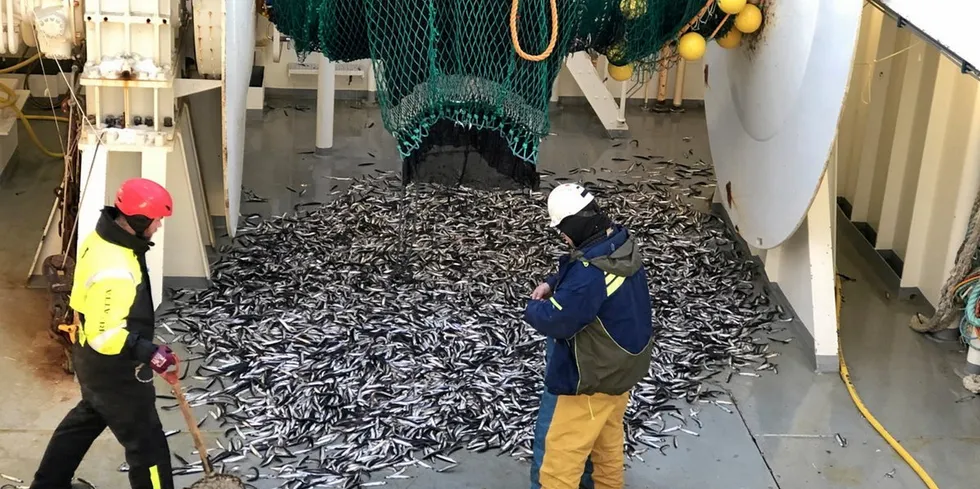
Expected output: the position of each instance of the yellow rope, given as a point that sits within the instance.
(846, 377)
(517, 43)
(21, 64)
(11, 101)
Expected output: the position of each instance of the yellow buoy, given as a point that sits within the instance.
(732, 7)
(691, 46)
(620, 73)
(749, 19)
(731, 39)
(633, 9)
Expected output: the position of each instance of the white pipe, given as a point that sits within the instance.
(276, 44)
(325, 92)
(97, 99)
(679, 72)
(25, 16)
(70, 7)
(973, 353)
(11, 34)
(127, 114)
(3, 39)
(97, 18)
(156, 38)
(126, 29)
(372, 84)
(156, 109)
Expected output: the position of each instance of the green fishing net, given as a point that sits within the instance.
(447, 70)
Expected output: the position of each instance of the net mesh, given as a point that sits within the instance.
(447, 67)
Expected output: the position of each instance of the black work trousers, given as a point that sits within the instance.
(124, 405)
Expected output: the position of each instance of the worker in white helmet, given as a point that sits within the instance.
(596, 314)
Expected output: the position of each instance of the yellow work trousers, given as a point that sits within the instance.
(578, 442)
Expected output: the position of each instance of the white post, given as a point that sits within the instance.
(679, 73)
(973, 352)
(803, 267)
(820, 235)
(326, 85)
(372, 84)
(154, 167)
(622, 103)
(93, 190)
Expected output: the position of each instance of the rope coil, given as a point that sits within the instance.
(517, 43)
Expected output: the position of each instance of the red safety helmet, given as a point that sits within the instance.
(142, 197)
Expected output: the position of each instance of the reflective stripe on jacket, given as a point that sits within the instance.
(598, 319)
(111, 292)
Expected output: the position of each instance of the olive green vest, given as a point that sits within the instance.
(603, 365)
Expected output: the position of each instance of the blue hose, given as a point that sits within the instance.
(965, 333)
(970, 312)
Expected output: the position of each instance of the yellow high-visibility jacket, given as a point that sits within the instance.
(111, 292)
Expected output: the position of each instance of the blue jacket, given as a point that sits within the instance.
(598, 320)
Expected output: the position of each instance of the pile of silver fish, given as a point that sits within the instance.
(383, 330)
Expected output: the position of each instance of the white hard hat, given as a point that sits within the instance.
(566, 200)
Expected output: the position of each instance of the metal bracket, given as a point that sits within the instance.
(602, 102)
(189, 86)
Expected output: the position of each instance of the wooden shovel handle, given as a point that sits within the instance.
(191, 423)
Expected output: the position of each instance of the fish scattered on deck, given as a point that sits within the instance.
(384, 329)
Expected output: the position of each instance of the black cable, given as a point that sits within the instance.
(38, 104)
(466, 159)
(30, 70)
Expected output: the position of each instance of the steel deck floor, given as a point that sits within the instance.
(781, 435)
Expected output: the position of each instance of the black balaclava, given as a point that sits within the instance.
(139, 223)
(585, 225)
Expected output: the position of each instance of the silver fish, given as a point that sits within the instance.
(383, 328)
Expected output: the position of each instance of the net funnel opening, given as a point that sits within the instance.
(453, 155)
(444, 63)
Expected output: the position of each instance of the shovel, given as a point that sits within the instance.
(210, 480)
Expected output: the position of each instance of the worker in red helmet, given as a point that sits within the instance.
(114, 355)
